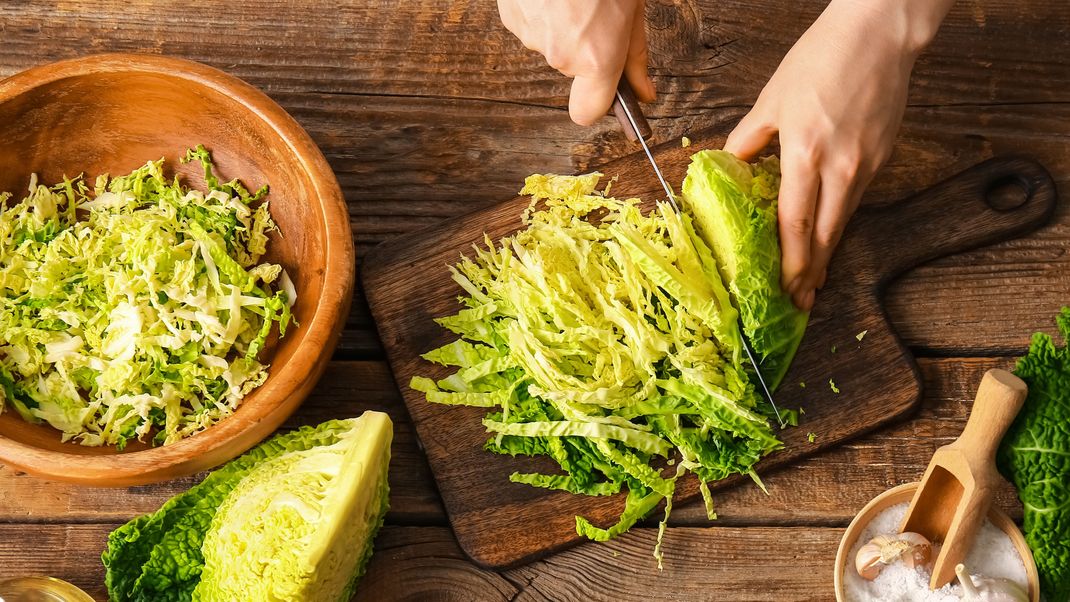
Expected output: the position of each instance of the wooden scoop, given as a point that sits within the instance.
(954, 496)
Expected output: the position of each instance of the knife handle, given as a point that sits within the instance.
(626, 98)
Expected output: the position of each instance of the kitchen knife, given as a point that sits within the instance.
(628, 112)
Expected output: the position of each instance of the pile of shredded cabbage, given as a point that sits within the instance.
(136, 307)
(606, 338)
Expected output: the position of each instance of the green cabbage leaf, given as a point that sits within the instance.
(1035, 456)
(734, 206)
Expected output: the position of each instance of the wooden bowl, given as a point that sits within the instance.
(904, 493)
(111, 114)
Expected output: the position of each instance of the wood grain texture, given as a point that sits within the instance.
(808, 492)
(428, 109)
(408, 155)
(406, 288)
(424, 564)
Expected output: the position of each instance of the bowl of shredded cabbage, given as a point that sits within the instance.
(176, 264)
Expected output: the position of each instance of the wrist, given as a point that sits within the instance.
(910, 25)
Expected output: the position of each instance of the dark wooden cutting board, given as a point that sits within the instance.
(500, 524)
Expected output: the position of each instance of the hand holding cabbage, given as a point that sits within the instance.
(835, 103)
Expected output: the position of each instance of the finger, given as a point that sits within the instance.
(830, 215)
(636, 68)
(837, 201)
(804, 300)
(511, 15)
(798, 199)
(591, 97)
(750, 136)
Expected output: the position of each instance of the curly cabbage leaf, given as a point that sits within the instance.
(734, 206)
(136, 306)
(315, 496)
(606, 339)
(1035, 456)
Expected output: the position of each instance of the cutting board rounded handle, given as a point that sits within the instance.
(958, 214)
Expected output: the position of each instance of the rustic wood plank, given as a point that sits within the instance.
(393, 48)
(812, 492)
(346, 389)
(716, 563)
(425, 563)
(408, 154)
(993, 83)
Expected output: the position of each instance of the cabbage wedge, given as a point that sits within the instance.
(734, 206)
(292, 519)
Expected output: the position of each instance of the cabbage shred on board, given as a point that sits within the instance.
(608, 340)
(137, 305)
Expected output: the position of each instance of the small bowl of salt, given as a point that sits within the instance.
(877, 562)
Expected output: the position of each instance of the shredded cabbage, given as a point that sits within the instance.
(136, 306)
(605, 338)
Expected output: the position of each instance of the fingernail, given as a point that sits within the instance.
(804, 300)
(794, 284)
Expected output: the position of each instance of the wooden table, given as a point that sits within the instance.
(430, 109)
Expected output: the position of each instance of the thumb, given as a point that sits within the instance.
(750, 136)
(591, 97)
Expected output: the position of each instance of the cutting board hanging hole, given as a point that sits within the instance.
(1008, 193)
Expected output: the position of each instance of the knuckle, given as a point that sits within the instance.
(803, 154)
(807, 150)
(827, 237)
(556, 59)
(850, 167)
(799, 226)
(595, 60)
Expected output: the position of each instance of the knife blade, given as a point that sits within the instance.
(628, 112)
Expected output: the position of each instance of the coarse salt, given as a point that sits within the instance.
(993, 555)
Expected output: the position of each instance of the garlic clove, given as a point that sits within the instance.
(919, 552)
(984, 589)
(913, 549)
(868, 561)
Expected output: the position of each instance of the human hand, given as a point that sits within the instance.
(593, 42)
(836, 101)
